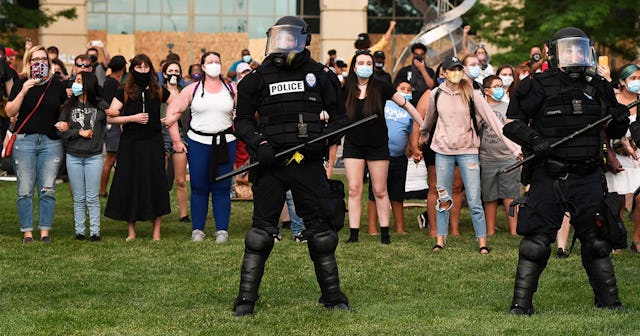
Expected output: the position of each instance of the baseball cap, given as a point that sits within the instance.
(451, 63)
(10, 52)
(242, 67)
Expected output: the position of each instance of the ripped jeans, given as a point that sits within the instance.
(37, 160)
(470, 170)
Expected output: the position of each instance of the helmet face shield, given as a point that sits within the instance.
(284, 39)
(574, 52)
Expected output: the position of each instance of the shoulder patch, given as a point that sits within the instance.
(310, 79)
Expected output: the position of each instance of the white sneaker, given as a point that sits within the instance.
(222, 236)
(197, 235)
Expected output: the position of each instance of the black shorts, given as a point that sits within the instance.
(352, 151)
(428, 154)
(395, 179)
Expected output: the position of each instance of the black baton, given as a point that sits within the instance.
(568, 137)
(300, 146)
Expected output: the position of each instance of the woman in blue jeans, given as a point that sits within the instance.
(82, 127)
(459, 110)
(37, 152)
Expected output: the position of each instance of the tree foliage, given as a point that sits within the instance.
(14, 16)
(517, 26)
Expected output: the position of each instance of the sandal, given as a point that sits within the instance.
(437, 248)
(634, 246)
(484, 248)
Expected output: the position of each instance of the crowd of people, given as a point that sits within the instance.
(154, 127)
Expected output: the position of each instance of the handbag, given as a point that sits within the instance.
(8, 149)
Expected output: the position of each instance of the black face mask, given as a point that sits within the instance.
(142, 79)
(93, 58)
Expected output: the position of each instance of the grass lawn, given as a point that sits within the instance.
(176, 287)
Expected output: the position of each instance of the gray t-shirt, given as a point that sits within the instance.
(491, 146)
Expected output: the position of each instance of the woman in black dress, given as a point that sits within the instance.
(139, 189)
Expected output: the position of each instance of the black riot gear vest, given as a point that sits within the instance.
(568, 107)
(291, 105)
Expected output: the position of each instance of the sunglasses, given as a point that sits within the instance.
(83, 65)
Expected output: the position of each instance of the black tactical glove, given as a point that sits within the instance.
(266, 155)
(620, 114)
(540, 146)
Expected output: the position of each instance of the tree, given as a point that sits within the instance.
(14, 16)
(517, 26)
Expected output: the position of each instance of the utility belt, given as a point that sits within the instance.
(560, 169)
(219, 150)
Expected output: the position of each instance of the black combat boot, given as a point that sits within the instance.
(258, 244)
(533, 255)
(322, 248)
(599, 268)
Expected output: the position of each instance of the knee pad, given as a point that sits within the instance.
(536, 248)
(597, 248)
(258, 240)
(323, 242)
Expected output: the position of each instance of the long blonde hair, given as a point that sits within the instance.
(26, 61)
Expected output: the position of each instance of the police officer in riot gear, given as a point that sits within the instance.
(296, 100)
(569, 178)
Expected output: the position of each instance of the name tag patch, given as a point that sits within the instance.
(286, 87)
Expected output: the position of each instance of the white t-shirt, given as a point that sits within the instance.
(212, 113)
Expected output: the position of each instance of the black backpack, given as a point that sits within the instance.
(608, 222)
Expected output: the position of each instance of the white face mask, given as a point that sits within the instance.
(212, 69)
(506, 80)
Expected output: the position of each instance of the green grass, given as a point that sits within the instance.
(176, 287)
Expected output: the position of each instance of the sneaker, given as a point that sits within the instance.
(185, 219)
(45, 239)
(300, 238)
(197, 236)
(94, 238)
(222, 236)
(422, 221)
(27, 240)
(80, 237)
(561, 254)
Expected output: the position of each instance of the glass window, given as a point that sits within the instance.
(258, 26)
(175, 23)
(234, 7)
(120, 24)
(148, 22)
(155, 6)
(142, 6)
(122, 6)
(206, 24)
(175, 7)
(261, 7)
(285, 7)
(310, 7)
(234, 24)
(207, 7)
(98, 5)
(97, 21)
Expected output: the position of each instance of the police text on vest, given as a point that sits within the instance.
(286, 87)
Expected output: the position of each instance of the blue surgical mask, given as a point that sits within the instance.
(364, 71)
(197, 76)
(76, 88)
(441, 80)
(474, 71)
(246, 58)
(408, 96)
(345, 74)
(634, 86)
(498, 93)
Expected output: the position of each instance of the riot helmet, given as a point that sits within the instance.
(289, 35)
(570, 50)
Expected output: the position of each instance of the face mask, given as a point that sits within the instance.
(93, 58)
(246, 58)
(379, 65)
(76, 88)
(408, 96)
(364, 71)
(634, 86)
(172, 79)
(474, 72)
(197, 76)
(454, 76)
(212, 69)
(498, 93)
(441, 80)
(345, 74)
(142, 79)
(523, 76)
(40, 71)
(507, 80)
